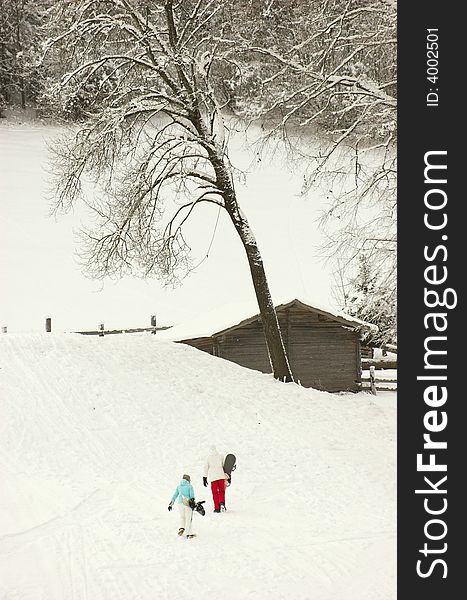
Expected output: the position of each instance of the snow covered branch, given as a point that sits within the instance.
(152, 137)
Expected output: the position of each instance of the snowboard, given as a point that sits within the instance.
(229, 466)
(197, 506)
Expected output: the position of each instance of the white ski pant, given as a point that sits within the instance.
(186, 516)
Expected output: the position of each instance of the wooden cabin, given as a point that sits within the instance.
(323, 348)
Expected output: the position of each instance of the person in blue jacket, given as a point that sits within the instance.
(182, 495)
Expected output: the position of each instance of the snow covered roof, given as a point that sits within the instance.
(218, 322)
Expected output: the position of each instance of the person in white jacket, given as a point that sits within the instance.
(214, 471)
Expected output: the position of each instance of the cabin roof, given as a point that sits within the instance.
(211, 328)
(342, 319)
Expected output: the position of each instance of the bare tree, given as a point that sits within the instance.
(331, 67)
(154, 131)
(327, 70)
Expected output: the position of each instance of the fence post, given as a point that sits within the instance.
(372, 381)
(48, 325)
(153, 323)
(101, 330)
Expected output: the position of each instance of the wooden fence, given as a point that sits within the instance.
(101, 331)
(376, 382)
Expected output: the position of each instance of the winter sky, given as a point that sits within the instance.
(41, 276)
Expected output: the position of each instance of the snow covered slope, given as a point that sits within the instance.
(95, 434)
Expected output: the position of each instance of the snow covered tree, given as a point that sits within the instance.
(326, 70)
(371, 297)
(21, 23)
(323, 66)
(155, 132)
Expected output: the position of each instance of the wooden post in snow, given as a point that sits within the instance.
(153, 323)
(101, 330)
(48, 325)
(372, 381)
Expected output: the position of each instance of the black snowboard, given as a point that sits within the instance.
(197, 506)
(229, 466)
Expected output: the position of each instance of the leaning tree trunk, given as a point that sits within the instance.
(272, 333)
(277, 355)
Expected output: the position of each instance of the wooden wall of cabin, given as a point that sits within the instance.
(323, 354)
(204, 343)
(245, 346)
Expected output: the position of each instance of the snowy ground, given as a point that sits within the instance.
(95, 434)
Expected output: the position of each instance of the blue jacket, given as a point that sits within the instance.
(184, 490)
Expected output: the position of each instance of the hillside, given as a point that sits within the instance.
(96, 433)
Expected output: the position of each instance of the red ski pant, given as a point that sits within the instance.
(218, 492)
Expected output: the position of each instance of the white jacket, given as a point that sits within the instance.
(214, 465)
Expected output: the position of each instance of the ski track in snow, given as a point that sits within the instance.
(96, 433)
